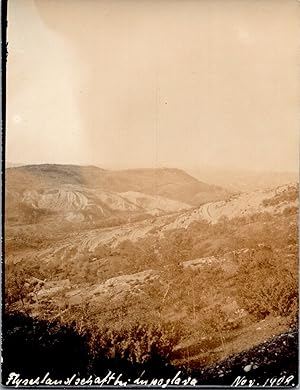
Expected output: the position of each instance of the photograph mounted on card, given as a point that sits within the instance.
(151, 193)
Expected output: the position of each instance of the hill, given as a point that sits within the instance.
(170, 183)
(196, 287)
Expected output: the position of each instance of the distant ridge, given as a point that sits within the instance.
(171, 183)
(13, 165)
(243, 181)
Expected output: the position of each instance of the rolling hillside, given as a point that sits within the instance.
(170, 183)
(197, 285)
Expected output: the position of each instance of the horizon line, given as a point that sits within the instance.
(9, 164)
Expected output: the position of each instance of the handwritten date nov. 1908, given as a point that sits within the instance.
(269, 382)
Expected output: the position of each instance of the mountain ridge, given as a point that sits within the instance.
(172, 183)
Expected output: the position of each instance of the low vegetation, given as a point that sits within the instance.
(246, 272)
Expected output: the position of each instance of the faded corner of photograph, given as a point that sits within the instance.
(151, 193)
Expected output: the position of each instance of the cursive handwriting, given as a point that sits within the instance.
(112, 379)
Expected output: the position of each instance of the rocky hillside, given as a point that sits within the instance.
(274, 200)
(197, 287)
(76, 204)
(170, 183)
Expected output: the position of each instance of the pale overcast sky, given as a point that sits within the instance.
(134, 83)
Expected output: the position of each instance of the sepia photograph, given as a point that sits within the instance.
(150, 194)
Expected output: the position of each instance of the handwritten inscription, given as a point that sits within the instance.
(269, 382)
(111, 379)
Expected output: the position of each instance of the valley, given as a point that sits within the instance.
(213, 272)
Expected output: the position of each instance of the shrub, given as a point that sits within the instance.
(122, 332)
(266, 286)
(137, 342)
(33, 347)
